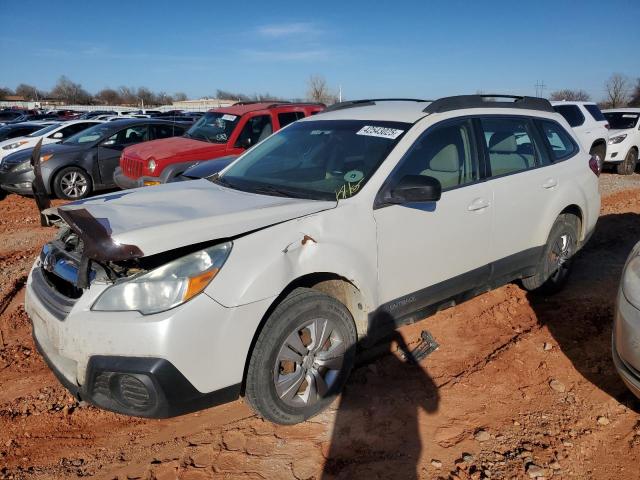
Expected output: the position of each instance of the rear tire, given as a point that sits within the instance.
(628, 165)
(302, 357)
(72, 183)
(555, 265)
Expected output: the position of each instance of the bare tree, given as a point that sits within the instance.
(318, 90)
(617, 90)
(635, 95)
(29, 92)
(70, 92)
(127, 96)
(570, 95)
(108, 96)
(179, 96)
(5, 92)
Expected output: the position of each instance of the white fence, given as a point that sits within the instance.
(193, 105)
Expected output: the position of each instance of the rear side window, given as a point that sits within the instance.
(286, 118)
(595, 112)
(511, 145)
(166, 131)
(559, 140)
(571, 114)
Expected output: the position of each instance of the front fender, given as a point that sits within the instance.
(341, 241)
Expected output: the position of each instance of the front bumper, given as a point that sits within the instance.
(616, 153)
(626, 343)
(17, 182)
(168, 174)
(161, 365)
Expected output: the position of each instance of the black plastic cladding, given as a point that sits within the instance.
(460, 102)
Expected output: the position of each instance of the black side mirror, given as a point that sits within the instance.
(416, 188)
(245, 143)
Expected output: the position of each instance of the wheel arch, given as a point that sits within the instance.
(597, 143)
(331, 284)
(574, 209)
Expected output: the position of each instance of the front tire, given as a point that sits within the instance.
(628, 165)
(72, 183)
(555, 265)
(302, 357)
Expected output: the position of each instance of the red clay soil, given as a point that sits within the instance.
(521, 387)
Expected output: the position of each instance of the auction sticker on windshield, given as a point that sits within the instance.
(228, 118)
(383, 132)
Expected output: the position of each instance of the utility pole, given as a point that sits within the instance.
(540, 86)
(339, 93)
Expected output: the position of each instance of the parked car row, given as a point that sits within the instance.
(344, 224)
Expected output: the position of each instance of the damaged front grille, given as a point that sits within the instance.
(55, 280)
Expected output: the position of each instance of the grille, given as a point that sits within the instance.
(131, 167)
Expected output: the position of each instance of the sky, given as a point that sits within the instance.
(418, 49)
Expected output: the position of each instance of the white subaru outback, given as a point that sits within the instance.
(260, 280)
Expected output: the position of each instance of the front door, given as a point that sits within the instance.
(429, 252)
(109, 150)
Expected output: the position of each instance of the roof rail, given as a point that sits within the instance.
(459, 102)
(368, 101)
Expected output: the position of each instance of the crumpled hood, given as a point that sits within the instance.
(176, 148)
(160, 218)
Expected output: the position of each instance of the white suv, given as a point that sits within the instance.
(624, 139)
(589, 123)
(261, 279)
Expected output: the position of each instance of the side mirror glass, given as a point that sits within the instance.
(416, 188)
(245, 143)
(57, 135)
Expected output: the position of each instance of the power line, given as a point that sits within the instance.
(540, 87)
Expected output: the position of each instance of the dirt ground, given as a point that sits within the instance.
(521, 387)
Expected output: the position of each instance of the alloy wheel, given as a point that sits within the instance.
(74, 184)
(308, 363)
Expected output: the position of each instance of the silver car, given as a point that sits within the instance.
(626, 330)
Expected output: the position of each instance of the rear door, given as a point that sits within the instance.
(109, 150)
(429, 252)
(523, 182)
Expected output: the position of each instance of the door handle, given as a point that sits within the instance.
(478, 204)
(550, 183)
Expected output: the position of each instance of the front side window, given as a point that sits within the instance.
(214, 127)
(445, 153)
(559, 140)
(255, 130)
(571, 114)
(128, 136)
(323, 159)
(510, 145)
(622, 120)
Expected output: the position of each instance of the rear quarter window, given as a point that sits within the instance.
(571, 113)
(595, 112)
(560, 143)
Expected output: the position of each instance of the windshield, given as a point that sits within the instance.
(323, 160)
(45, 130)
(622, 120)
(89, 135)
(214, 127)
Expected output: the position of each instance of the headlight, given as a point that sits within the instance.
(22, 167)
(617, 139)
(167, 286)
(14, 145)
(46, 157)
(151, 165)
(631, 281)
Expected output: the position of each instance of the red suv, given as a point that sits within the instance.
(219, 133)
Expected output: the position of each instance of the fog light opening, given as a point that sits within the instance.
(132, 391)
